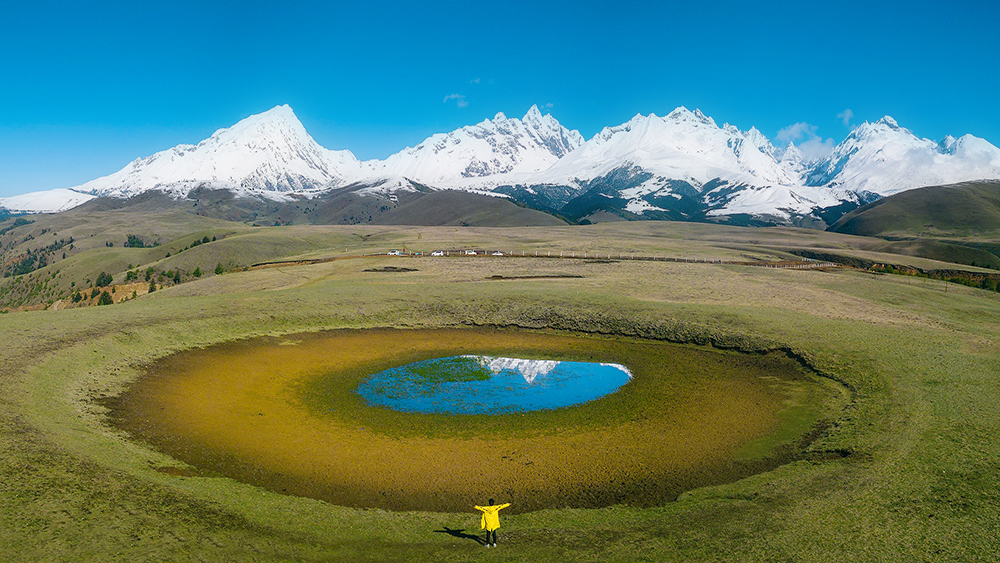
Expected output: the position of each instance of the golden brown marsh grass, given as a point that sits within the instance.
(282, 413)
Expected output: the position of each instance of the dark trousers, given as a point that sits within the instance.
(488, 534)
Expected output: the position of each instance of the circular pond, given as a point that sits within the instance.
(490, 384)
(290, 414)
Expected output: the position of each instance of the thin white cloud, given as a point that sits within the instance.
(549, 105)
(796, 131)
(816, 148)
(460, 100)
(846, 116)
(474, 80)
(804, 136)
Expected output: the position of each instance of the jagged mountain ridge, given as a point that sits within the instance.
(492, 147)
(680, 166)
(686, 167)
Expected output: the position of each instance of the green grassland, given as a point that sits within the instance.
(908, 471)
(173, 250)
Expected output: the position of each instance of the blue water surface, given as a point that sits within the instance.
(490, 385)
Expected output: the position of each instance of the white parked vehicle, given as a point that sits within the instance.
(470, 253)
(437, 253)
(394, 253)
(498, 253)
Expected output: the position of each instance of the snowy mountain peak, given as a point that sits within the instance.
(280, 114)
(533, 114)
(492, 147)
(276, 126)
(882, 131)
(684, 146)
(973, 149)
(266, 152)
(704, 118)
(947, 145)
(885, 158)
(639, 119)
(790, 154)
(757, 139)
(888, 121)
(793, 161)
(682, 113)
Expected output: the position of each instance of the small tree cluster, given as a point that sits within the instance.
(134, 241)
(204, 240)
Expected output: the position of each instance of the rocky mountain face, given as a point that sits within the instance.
(682, 166)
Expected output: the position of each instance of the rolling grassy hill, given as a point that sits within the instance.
(957, 223)
(957, 210)
(451, 207)
(343, 206)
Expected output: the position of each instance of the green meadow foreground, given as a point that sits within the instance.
(905, 466)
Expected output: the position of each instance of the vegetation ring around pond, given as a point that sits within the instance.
(284, 413)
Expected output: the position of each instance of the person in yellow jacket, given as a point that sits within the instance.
(491, 520)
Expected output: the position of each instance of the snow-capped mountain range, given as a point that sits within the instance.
(680, 166)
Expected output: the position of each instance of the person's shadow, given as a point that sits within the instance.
(460, 534)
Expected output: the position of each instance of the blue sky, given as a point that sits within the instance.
(88, 87)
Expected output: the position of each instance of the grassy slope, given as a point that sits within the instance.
(462, 208)
(956, 223)
(965, 209)
(921, 482)
(109, 222)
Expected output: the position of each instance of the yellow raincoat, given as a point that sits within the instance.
(491, 516)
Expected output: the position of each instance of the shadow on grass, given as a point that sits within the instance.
(460, 534)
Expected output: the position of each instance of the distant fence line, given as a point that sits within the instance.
(804, 264)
